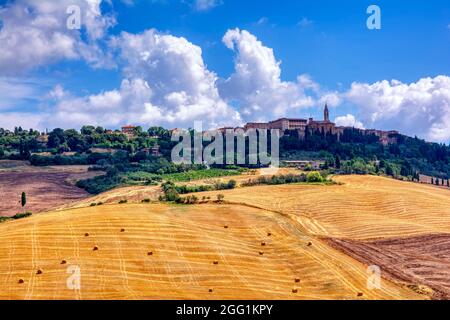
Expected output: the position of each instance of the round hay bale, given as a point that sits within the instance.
(216, 262)
(95, 248)
(294, 290)
(226, 227)
(263, 244)
(150, 253)
(297, 280)
(39, 271)
(86, 234)
(360, 294)
(210, 290)
(21, 281)
(63, 262)
(122, 230)
(309, 244)
(261, 253)
(269, 234)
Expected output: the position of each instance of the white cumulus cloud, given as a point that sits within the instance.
(349, 120)
(256, 84)
(34, 33)
(420, 108)
(166, 82)
(333, 99)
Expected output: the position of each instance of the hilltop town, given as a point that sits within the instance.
(301, 126)
(324, 126)
(304, 143)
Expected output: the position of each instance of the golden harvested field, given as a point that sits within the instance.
(133, 194)
(362, 208)
(266, 242)
(399, 226)
(258, 256)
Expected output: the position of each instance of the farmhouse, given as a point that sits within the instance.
(102, 150)
(42, 138)
(304, 164)
(128, 130)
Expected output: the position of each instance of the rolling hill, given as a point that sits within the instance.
(154, 251)
(265, 242)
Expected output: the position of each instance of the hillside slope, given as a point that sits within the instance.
(46, 187)
(399, 226)
(362, 208)
(155, 251)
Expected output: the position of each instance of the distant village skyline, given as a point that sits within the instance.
(300, 125)
(171, 63)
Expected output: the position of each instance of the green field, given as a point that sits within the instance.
(200, 174)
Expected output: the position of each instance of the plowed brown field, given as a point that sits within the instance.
(415, 260)
(46, 187)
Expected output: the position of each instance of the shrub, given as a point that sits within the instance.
(179, 200)
(192, 189)
(16, 217)
(172, 195)
(22, 215)
(194, 199)
(100, 184)
(231, 184)
(123, 201)
(187, 200)
(315, 176)
(275, 180)
(220, 197)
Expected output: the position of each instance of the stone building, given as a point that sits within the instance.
(257, 125)
(128, 130)
(324, 126)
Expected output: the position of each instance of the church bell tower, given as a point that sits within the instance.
(326, 114)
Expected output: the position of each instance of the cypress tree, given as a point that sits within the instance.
(23, 200)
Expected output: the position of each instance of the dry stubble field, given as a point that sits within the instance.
(402, 227)
(362, 208)
(195, 249)
(255, 247)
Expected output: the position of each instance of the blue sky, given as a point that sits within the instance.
(335, 47)
(326, 42)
